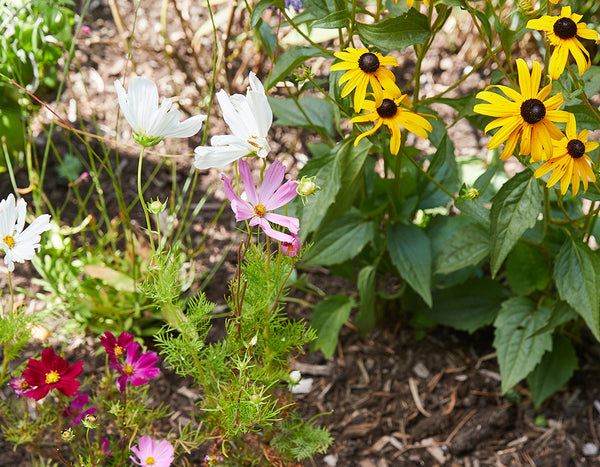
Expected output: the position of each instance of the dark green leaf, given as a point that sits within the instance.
(342, 240)
(468, 306)
(585, 117)
(526, 269)
(514, 210)
(396, 33)
(460, 243)
(410, 252)
(260, 8)
(312, 113)
(328, 317)
(335, 20)
(553, 372)
(577, 276)
(519, 347)
(366, 317)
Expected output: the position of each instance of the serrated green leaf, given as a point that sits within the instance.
(459, 244)
(289, 60)
(410, 251)
(396, 33)
(328, 317)
(584, 115)
(577, 278)
(475, 210)
(342, 240)
(518, 345)
(469, 306)
(515, 209)
(335, 20)
(553, 372)
(366, 317)
(526, 269)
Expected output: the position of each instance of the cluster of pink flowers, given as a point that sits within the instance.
(125, 356)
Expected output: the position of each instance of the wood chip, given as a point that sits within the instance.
(414, 391)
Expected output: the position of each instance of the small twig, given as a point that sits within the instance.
(459, 426)
(414, 391)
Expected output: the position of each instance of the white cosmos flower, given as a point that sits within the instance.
(151, 123)
(18, 244)
(249, 117)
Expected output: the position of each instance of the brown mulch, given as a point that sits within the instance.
(389, 398)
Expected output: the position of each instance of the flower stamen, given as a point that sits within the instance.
(128, 369)
(387, 109)
(533, 111)
(565, 28)
(575, 148)
(52, 377)
(368, 62)
(260, 210)
(9, 240)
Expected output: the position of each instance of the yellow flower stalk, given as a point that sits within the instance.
(395, 114)
(528, 115)
(563, 32)
(569, 162)
(363, 68)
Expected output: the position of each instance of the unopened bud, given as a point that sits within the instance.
(156, 207)
(90, 421)
(255, 398)
(472, 193)
(295, 377)
(67, 435)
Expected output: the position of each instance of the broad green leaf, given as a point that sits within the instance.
(475, 210)
(469, 306)
(515, 209)
(577, 278)
(260, 8)
(519, 347)
(410, 251)
(526, 269)
(460, 243)
(366, 317)
(342, 240)
(328, 317)
(309, 112)
(289, 60)
(553, 372)
(585, 117)
(443, 169)
(335, 20)
(396, 33)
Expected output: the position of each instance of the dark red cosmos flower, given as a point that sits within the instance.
(51, 372)
(115, 348)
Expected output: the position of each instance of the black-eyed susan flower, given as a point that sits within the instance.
(395, 114)
(528, 115)
(569, 162)
(363, 68)
(563, 32)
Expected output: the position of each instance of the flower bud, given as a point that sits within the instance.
(295, 377)
(255, 398)
(472, 193)
(307, 186)
(90, 421)
(67, 435)
(156, 207)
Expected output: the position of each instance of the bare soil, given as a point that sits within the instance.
(391, 399)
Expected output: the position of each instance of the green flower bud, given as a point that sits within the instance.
(67, 435)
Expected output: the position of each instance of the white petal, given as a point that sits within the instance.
(208, 156)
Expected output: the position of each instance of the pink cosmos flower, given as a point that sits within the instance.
(115, 348)
(272, 196)
(151, 453)
(75, 409)
(292, 248)
(138, 367)
(20, 385)
(51, 372)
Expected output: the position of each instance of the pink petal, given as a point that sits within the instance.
(268, 230)
(246, 175)
(282, 196)
(291, 223)
(273, 178)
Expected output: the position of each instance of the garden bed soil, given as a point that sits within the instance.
(389, 398)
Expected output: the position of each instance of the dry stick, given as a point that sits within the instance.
(459, 426)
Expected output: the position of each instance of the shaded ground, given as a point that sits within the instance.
(394, 400)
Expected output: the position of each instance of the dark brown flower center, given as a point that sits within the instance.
(565, 28)
(533, 111)
(387, 109)
(575, 148)
(369, 63)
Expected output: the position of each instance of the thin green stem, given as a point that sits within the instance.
(141, 197)
(428, 176)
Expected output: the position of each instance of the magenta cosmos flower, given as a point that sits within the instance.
(75, 409)
(115, 348)
(51, 372)
(138, 367)
(20, 385)
(272, 195)
(292, 248)
(151, 453)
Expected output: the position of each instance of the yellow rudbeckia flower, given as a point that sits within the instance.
(563, 32)
(569, 162)
(395, 114)
(528, 115)
(410, 3)
(364, 68)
